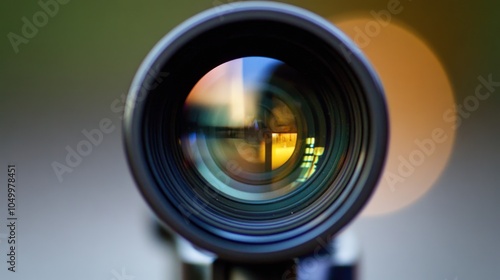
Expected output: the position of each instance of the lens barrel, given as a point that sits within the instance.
(256, 130)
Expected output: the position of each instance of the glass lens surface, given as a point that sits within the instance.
(246, 130)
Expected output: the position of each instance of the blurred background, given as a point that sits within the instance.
(65, 68)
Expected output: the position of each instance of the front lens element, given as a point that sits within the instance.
(246, 129)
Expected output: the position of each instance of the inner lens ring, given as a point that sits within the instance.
(230, 208)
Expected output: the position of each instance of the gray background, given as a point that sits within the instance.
(94, 223)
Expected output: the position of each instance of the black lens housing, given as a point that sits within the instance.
(349, 97)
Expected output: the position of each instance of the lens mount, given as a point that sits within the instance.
(256, 129)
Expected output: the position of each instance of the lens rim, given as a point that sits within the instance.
(369, 167)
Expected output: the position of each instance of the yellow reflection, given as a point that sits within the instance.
(418, 93)
(283, 146)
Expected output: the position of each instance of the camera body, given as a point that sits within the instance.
(256, 130)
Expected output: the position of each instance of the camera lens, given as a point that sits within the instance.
(256, 129)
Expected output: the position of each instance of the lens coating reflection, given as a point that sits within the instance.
(244, 130)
